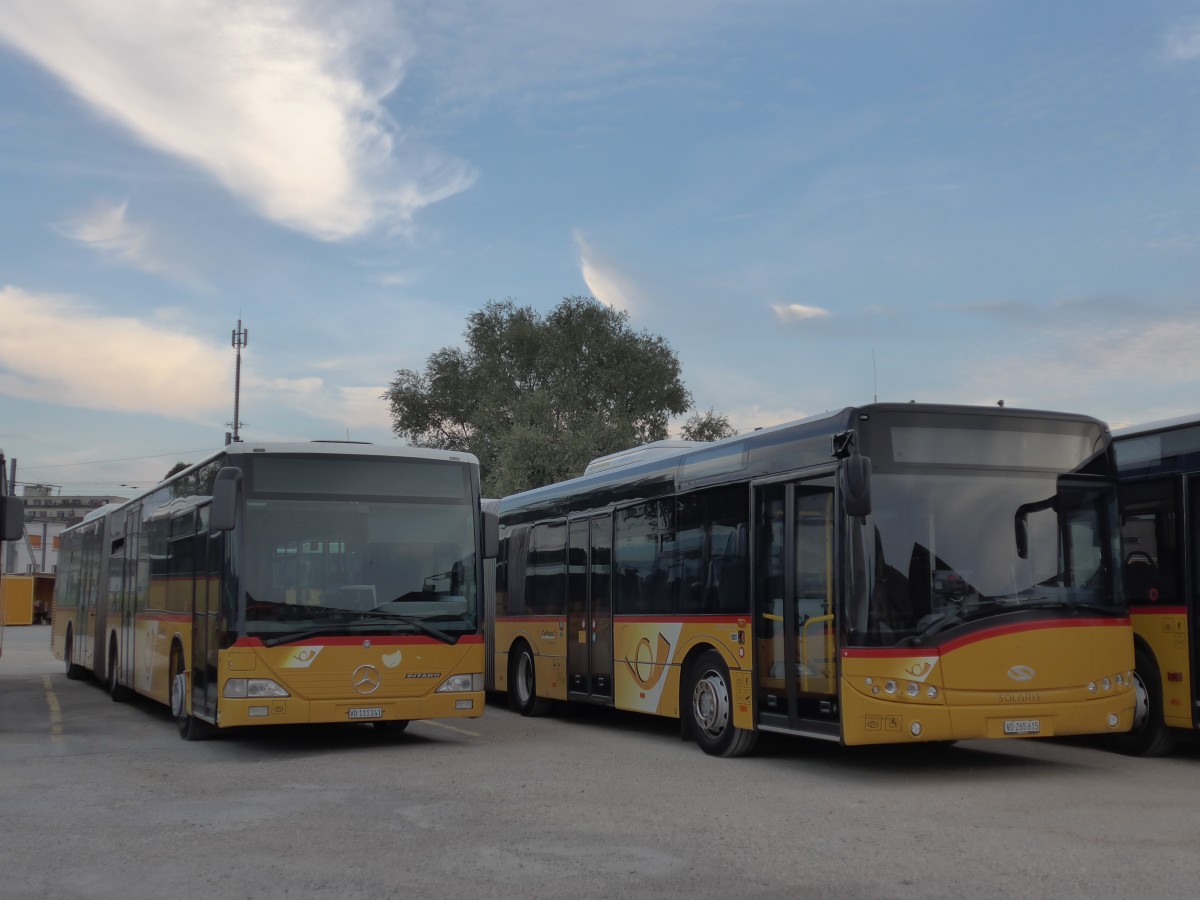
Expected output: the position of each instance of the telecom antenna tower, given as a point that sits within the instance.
(240, 338)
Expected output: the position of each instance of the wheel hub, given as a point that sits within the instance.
(710, 701)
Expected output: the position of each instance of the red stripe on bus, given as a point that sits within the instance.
(975, 637)
(350, 640)
(681, 619)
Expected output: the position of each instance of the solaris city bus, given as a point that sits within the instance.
(286, 583)
(888, 573)
(1158, 467)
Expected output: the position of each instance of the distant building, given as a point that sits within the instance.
(46, 516)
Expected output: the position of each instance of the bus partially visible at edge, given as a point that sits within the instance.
(12, 527)
(1158, 468)
(285, 583)
(892, 573)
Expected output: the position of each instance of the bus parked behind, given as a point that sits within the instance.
(1159, 471)
(892, 573)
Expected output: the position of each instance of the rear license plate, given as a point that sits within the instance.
(376, 712)
(1022, 726)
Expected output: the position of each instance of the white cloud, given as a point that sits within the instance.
(604, 282)
(281, 102)
(107, 229)
(62, 352)
(1183, 42)
(1118, 372)
(353, 409)
(798, 312)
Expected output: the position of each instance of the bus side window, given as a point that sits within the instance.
(1149, 542)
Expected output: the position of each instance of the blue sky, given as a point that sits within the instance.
(815, 203)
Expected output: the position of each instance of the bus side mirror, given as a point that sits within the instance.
(856, 484)
(1021, 525)
(12, 518)
(226, 487)
(491, 535)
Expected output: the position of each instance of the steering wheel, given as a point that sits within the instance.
(1140, 558)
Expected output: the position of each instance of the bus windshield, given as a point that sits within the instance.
(369, 566)
(951, 548)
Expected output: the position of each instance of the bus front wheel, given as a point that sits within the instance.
(190, 728)
(710, 709)
(522, 684)
(1150, 735)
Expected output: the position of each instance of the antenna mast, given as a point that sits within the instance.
(240, 338)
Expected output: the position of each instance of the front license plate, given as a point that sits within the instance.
(376, 712)
(1022, 726)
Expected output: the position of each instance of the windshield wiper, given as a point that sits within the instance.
(374, 619)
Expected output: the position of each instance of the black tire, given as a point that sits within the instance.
(709, 708)
(74, 672)
(116, 690)
(190, 728)
(1150, 735)
(522, 683)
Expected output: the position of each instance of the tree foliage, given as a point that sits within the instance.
(707, 426)
(536, 398)
(176, 469)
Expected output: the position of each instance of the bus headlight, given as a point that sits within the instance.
(246, 688)
(458, 683)
(890, 687)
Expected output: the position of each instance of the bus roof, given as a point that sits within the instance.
(775, 449)
(1159, 425)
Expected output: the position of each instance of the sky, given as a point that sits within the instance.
(817, 204)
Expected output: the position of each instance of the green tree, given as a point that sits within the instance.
(707, 426)
(176, 469)
(536, 398)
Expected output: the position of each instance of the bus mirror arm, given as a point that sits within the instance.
(1021, 522)
(491, 534)
(223, 514)
(12, 518)
(856, 484)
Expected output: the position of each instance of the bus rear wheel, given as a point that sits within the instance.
(190, 728)
(522, 684)
(74, 672)
(116, 690)
(1150, 735)
(710, 709)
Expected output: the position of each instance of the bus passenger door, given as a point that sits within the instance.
(589, 608)
(795, 565)
(129, 605)
(1191, 593)
(209, 549)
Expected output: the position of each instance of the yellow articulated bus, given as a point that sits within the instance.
(286, 583)
(1158, 467)
(891, 573)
